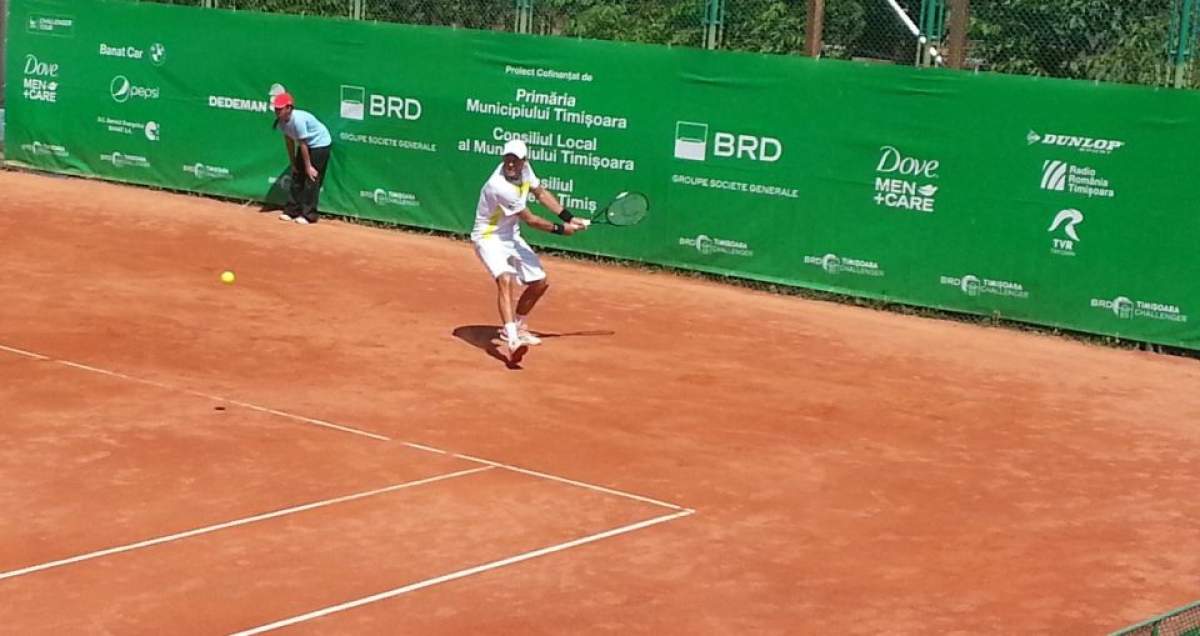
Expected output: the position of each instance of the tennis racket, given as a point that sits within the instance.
(627, 208)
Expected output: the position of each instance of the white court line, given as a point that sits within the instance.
(462, 573)
(572, 482)
(237, 522)
(21, 352)
(160, 385)
(293, 416)
(425, 448)
(331, 425)
(488, 465)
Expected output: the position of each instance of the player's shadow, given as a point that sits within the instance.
(487, 338)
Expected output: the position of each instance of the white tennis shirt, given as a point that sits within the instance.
(500, 201)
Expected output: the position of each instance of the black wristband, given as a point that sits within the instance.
(566, 215)
(558, 229)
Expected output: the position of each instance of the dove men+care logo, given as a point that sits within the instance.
(906, 182)
(40, 83)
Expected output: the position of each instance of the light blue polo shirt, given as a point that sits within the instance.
(304, 127)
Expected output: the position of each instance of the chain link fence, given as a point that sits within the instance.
(679, 23)
(497, 15)
(764, 26)
(1184, 621)
(1107, 40)
(1142, 42)
(869, 30)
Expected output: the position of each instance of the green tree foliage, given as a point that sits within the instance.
(1094, 39)
(305, 7)
(674, 22)
(469, 14)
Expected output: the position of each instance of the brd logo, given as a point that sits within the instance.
(831, 263)
(1121, 306)
(356, 104)
(692, 143)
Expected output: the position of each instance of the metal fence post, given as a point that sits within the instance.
(524, 16)
(714, 23)
(814, 38)
(960, 22)
(932, 20)
(1181, 47)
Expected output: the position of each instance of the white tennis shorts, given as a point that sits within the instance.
(510, 257)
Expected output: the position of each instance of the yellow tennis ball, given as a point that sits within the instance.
(227, 277)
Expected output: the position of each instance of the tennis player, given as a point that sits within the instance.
(503, 205)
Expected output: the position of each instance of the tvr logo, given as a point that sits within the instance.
(692, 143)
(1067, 220)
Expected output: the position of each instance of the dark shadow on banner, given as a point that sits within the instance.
(277, 196)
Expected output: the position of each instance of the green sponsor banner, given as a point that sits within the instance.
(1053, 202)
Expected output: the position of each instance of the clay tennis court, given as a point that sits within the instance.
(331, 446)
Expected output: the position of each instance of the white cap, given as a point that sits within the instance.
(516, 147)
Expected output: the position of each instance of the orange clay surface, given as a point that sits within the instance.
(803, 467)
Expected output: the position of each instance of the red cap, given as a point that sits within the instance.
(283, 99)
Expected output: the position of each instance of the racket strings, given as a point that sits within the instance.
(628, 210)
